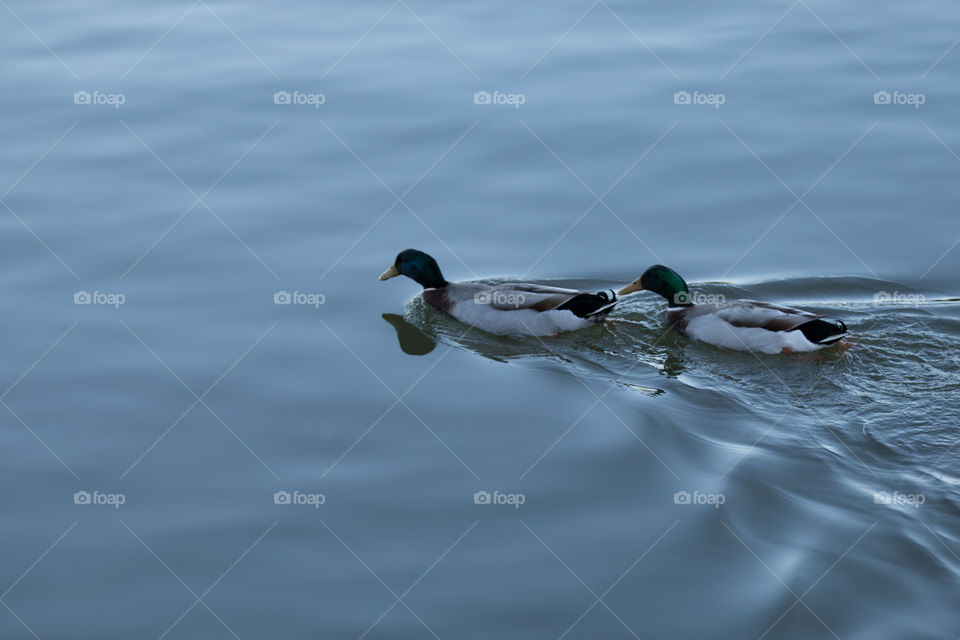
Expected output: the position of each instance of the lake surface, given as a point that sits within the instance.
(184, 458)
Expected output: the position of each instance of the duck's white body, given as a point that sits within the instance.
(514, 308)
(749, 325)
(717, 332)
(529, 309)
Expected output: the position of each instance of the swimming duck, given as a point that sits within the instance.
(503, 309)
(747, 325)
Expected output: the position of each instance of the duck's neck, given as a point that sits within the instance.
(676, 293)
(429, 277)
(679, 299)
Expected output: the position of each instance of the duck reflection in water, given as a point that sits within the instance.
(415, 342)
(412, 341)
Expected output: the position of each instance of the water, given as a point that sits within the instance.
(197, 399)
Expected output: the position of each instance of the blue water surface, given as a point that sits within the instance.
(217, 423)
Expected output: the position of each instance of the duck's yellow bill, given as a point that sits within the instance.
(389, 273)
(630, 288)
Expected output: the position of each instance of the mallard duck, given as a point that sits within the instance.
(503, 309)
(747, 325)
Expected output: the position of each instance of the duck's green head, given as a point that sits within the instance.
(417, 266)
(664, 281)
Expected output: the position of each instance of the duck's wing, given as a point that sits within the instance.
(514, 296)
(774, 317)
(763, 315)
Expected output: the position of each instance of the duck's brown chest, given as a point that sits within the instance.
(437, 298)
(678, 320)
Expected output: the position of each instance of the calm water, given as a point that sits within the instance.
(199, 174)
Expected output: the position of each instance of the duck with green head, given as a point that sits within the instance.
(747, 325)
(503, 309)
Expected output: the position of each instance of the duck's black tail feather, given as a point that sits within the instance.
(590, 305)
(822, 331)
